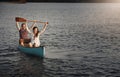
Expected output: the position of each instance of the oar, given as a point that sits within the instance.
(35, 21)
(19, 19)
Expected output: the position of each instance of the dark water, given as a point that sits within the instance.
(82, 40)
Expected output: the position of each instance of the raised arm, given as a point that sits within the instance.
(44, 28)
(17, 25)
(29, 29)
(33, 25)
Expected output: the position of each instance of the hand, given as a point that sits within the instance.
(46, 23)
(35, 21)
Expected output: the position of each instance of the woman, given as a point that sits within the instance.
(23, 33)
(35, 42)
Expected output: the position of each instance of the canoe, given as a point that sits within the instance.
(38, 51)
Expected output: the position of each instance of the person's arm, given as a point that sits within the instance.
(33, 25)
(27, 28)
(44, 28)
(17, 25)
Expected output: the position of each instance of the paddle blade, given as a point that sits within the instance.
(19, 19)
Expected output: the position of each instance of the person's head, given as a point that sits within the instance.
(23, 26)
(35, 31)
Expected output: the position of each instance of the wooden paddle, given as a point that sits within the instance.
(19, 19)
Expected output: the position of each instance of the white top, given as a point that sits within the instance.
(35, 40)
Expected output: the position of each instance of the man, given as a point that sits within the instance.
(23, 33)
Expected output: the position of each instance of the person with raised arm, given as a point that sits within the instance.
(23, 33)
(35, 41)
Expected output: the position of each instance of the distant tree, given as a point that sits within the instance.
(22, 1)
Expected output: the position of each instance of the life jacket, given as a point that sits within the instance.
(23, 34)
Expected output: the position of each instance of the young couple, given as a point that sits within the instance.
(24, 30)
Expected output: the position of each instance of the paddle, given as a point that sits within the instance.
(19, 19)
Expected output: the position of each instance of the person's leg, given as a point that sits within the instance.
(36, 45)
(21, 42)
(24, 42)
(30, 45)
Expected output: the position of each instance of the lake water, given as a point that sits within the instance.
(82, 40)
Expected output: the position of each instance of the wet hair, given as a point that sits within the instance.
(37, 31)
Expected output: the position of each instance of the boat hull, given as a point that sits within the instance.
(38, 51)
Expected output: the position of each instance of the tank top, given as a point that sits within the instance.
(35, 40)
(23, 34)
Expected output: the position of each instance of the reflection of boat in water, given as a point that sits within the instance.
(37, 51)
